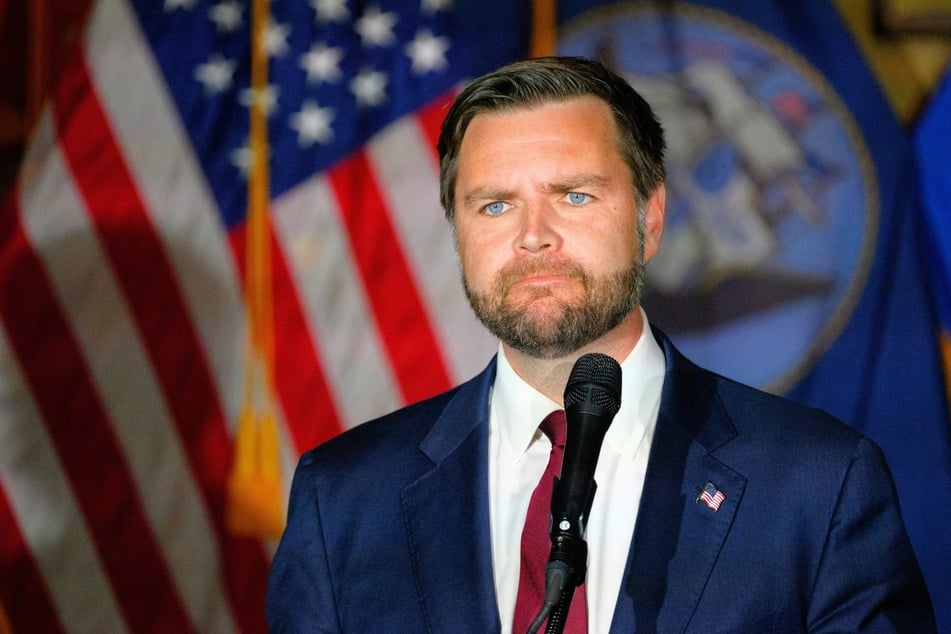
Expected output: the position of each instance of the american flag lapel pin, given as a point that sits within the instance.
(711, 496)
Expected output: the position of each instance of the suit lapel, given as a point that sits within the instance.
(677, 537)
(446, 514)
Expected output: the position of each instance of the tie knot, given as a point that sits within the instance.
(555, 427)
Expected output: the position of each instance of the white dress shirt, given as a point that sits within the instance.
(518, 455)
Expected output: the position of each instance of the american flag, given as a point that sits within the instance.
(711, 496)
(122, 318)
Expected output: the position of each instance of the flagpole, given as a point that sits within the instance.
(255, 491)
(544, 30)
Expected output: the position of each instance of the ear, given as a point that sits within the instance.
(654, 221)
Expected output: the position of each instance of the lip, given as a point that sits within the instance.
(544, 278)
(538, 280)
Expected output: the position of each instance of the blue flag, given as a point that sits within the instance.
(932, 140)
(792, 253)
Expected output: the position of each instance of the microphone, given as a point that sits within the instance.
(592, 398)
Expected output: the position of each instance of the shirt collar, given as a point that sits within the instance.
(518, 408)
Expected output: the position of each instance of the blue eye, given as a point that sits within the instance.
(496, 208)
(577, 198)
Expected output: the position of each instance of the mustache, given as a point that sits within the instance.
(516, 271)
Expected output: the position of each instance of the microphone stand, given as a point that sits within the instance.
(592, 398)
(565, 571)
(559, 615)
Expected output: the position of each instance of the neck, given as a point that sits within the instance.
(549, 376)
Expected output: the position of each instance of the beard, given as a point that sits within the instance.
(566, 327)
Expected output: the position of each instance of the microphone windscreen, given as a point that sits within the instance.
(596, 379)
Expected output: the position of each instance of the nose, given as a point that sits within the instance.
(538, 232)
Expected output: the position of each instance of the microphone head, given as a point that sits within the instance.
(595, 380)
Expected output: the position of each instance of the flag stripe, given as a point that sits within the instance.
(430, 119)
(177, 199)
(56, 373)
(131, 222)
(143, 273)
(59, 228)
(184, 219)
(308, 405)
(21, 584)
(299, 379)
(309, 225)
(402, 158)
(399, 314)
(59, 581)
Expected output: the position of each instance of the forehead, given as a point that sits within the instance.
(580, 130)
(574, 113)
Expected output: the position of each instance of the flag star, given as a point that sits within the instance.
(376, 27)
(427, 52)
(322, 63)
(369, 87)
(241, 158)
(216, 74)
(330, 10)
(266, 97)
(171, 5)
(312, 124)
(435, 6)
(226, 15)
(275, 39)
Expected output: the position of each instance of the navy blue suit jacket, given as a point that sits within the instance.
(388, 528)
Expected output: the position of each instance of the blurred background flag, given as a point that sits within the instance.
(932, 143)
(124, 324)
(794, 256)
(167, 329)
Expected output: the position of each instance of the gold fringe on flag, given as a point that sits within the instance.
(255, 493)
(544, 28)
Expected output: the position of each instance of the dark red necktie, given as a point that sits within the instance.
(536, 542)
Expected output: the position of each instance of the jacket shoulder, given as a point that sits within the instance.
(397, 437)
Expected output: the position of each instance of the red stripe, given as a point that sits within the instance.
(430, 119)
(23, 592)
(400, 316)
(147, 279)
(53, 367)
(309, 407)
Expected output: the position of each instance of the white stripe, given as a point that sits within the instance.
(52, 526)
(409, 181)
(175, 193)
(308, 223)
(178, 200)
(59, 230)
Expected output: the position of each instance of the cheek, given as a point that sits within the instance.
(625, 238)
(476, 254)
(609, 249)
(472, 259)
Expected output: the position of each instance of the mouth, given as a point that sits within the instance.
(538, 281)
(544, 278)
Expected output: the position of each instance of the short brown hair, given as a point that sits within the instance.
(544, 80)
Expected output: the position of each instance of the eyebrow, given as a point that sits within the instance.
(484, 193)
(578, 181)
(567, 184)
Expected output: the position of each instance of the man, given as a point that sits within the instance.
(719, 508)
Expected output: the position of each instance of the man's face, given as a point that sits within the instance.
(546, 226)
